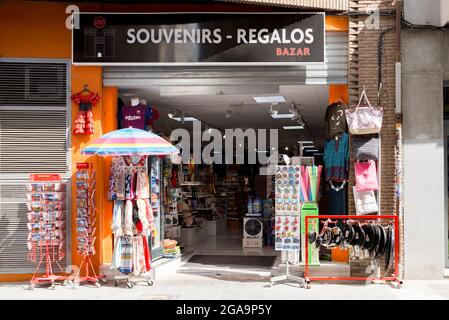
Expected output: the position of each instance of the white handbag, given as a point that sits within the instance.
(365, 201)
(364, 119)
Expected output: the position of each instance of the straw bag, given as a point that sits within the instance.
(364, 119)
(365, 147)
(366, 176)
(365, 202)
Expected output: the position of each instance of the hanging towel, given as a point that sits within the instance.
(120, 185)
(128, 187)
(128, 218)
(142, 213)
(143, 186)
(150, 215)
(117, 218)
(116, 254)
(126, 255)
(112, 186)
(136, 255)
(146, 251)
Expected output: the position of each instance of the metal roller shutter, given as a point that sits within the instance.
(34, 138)
(333, 71)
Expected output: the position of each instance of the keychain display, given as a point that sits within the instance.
(46, 216)
(287, 205)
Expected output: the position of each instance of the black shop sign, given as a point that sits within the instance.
(198, 38)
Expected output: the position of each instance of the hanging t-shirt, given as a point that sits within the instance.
(335, 119)
(135, 116)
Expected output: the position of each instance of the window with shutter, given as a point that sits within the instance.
(34, 138)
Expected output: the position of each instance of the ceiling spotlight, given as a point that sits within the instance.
(296, 115)
(273, 111)
(228, 114)
(286, 148)
(171, 114)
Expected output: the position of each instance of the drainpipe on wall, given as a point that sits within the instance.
(399, 155)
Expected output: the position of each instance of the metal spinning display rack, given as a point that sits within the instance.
(394, 277)
(46, 203)
(86, 212)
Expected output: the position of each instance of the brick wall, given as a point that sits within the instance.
(363, 71)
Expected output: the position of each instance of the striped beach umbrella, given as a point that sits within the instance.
(130, 141)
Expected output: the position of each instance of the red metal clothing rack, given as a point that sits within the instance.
(394, 277)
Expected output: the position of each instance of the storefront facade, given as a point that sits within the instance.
(34, 33)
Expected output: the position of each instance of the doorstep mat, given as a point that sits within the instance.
(225, 260)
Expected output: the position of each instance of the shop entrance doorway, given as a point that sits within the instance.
(227, 209)
(259, 98)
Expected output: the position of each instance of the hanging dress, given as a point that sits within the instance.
(84, 122)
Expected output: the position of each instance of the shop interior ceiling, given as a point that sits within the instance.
(210, 104)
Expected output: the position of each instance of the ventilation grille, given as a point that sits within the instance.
(33, 84)
(13, 238)
(33, 141)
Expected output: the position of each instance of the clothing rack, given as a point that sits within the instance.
(128, 243)
(394, 277)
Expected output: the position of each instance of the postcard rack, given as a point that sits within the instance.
(46, 203)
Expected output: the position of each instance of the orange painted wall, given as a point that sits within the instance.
(31, 29)
(37, 30)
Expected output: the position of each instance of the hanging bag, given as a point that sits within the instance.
(365, 202)
(365, 147)
(366, 176)
(364, 119)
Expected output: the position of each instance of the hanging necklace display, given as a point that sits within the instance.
(339, 188)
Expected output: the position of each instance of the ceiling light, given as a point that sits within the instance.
(282, 115)
(224, 136)
(301, 122)
(293, 127)
(271, 99)
(286, 148)
(312, 150)
(305, 142)
(273, 111)
(228, 114)
(171, 114)
(310, 146)
(296, 115)
(188, 119)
